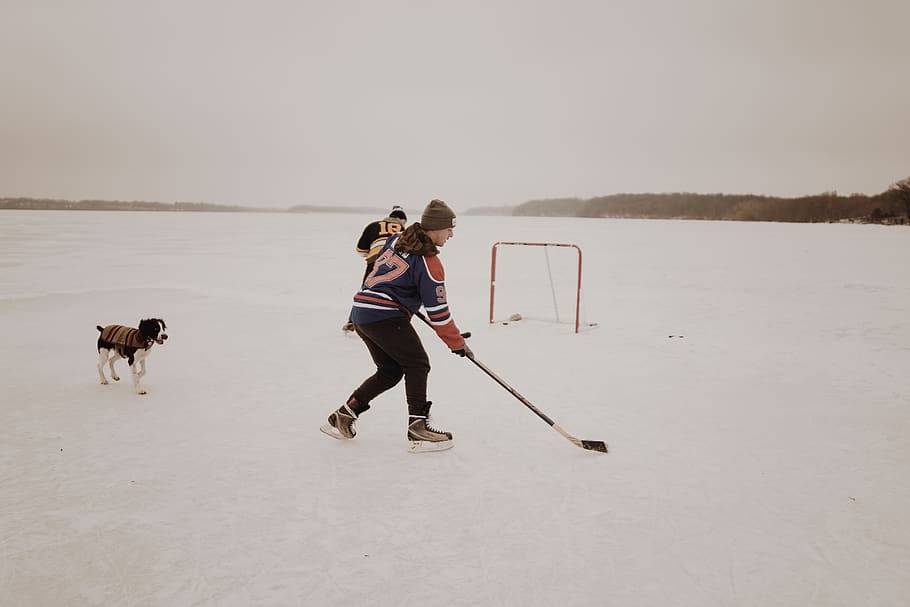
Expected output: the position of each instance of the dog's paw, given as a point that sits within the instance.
(141, 391)
(115, 378)
(103, 382)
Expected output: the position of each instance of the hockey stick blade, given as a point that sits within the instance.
(590, 445)
(594, 445)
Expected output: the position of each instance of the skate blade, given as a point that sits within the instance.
(422, 446)
(333, 432)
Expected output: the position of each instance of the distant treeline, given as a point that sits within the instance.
(50, 204)
(887, 207)
(891, 206)
(311, 208)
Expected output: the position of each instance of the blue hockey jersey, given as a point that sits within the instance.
(399, 285)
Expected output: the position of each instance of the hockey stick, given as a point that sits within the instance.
(590, 445)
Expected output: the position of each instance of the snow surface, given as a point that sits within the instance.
(751, 380)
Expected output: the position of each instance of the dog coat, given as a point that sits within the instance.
(124, 336)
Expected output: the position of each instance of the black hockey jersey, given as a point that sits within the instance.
(375, 235)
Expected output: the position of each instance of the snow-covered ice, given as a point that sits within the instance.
(751, 380)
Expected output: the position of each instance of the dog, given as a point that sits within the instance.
(118, 341)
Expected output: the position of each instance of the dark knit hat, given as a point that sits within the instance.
(398, 213)
(437, 216)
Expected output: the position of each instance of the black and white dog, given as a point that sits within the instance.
(118, 341)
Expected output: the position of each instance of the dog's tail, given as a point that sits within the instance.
(99, 327)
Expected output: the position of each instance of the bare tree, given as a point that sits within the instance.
(901, 193)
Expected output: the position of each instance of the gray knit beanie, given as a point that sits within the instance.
(437, 216)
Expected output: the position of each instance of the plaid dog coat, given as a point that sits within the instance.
(124, 336)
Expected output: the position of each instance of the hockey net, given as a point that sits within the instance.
(536, 281)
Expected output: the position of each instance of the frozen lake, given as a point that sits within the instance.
(751, 380)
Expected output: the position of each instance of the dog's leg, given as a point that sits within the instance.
(114, 357)
(135, 374)
(137, 369)
(102, 360)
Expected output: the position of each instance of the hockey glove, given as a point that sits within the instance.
(464, 351)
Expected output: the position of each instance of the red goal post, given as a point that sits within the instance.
(535, 244)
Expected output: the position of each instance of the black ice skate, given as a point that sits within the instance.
(422, 437)
(341, 423)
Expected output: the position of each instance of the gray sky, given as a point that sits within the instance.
(493, 102)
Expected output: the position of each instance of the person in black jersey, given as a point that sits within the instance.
(373, 239)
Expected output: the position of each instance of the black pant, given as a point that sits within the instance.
(398, 352)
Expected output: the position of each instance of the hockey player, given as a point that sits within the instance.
(407, 275)
(372, 240)
(376, 233)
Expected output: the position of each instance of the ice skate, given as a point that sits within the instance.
(341, 423)
(422, 437)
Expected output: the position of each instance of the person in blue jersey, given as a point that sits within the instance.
(406, 276)
(373, 238)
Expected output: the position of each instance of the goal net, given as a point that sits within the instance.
(536, 281)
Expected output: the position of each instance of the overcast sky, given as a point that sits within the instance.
(490, 102)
